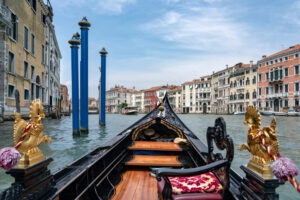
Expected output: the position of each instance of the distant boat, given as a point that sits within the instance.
(130, 111)
(239, 113)
(292, 113)
(267, 113)
(93, 110)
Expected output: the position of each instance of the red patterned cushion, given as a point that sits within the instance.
(204, 183)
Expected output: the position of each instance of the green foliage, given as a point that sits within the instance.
(123, 105)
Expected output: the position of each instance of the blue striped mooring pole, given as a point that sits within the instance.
(74, 42)
(84, 26)
(103, 54)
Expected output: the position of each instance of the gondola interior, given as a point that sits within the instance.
(140, 162)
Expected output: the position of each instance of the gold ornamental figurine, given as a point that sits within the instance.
(29, 136)
(261, 158)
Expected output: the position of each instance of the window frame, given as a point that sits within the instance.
(26, 71)
(28, 94)
(13, 96)
(13, 71)
(32, 44)
(27, 49)
(295, 70)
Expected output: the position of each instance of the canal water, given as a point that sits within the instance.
(65, 148)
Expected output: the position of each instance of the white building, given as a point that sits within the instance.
(117, 96)
(52, 60)
(137, 100)
(175, 99)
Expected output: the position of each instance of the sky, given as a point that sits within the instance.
(157, 42)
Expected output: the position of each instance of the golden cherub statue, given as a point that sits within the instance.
(260, 159)
(29, 136)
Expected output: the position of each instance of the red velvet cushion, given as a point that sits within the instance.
(204, 183)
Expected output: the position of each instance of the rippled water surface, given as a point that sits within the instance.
(65, 148)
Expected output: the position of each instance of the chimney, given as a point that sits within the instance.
(264, 56)
(251, 63)
(226, 66)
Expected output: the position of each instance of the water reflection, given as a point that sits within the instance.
(65, 148)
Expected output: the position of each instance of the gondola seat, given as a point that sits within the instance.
(210, 181)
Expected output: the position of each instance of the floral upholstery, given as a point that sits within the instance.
(204, 183)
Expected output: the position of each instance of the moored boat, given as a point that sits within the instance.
(130, 111)
(239, 113)
(137, 162)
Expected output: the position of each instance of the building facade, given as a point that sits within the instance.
(204, 94)
(22, 68)
(137, 100)
(220, 91)
(243, 87)
(116, 97)
(52, 61)
(175, 99)
(64, 97)
(278, 80)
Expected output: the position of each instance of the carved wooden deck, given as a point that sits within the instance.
(155, 146)
(155, 161)
(136, 185)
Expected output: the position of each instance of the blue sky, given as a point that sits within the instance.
(155, 42)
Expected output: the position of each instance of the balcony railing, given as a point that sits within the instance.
(296, 93)
(240, 87)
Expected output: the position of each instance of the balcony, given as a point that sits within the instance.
(239, 87)
(5, 15)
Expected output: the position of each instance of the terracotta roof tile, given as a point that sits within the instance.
(292, 48)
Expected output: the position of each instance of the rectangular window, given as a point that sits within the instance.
(297, 87)
(25, 70)
(286, 103)
(286, 58)
(296, 55)
(32, 72)
(271, 75)
(286, 72)
(25, 37)
(267, 90)
(259, 91)
(280, 59)
(43, 18)
(276, 75)
(13, 31)
(32, 44)
(280, 74)
(43, 54)
(267, 75)
(259, 77)
(296, 69)
(11, 91)
(11, 62)
(26, 94)
(286, 87)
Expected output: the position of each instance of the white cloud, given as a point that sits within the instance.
(103, 6)
(200, 28)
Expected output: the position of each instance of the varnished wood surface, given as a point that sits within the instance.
(155, 146)
(136, 185)
(157, 161)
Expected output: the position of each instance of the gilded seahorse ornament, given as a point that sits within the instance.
(29, 135)
(260, 159)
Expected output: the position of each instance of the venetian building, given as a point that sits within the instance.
(117, 96)
(203, 93)
(52, 61)
(278, 80)
(220, 91)
(189, 96)
(22, 54)
(175, 99)
(243, 87)
(137, 100)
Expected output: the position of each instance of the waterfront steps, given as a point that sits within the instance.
(161, 154)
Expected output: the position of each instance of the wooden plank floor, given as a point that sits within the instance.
(155, 146)
(136, 185)
(156, 161)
